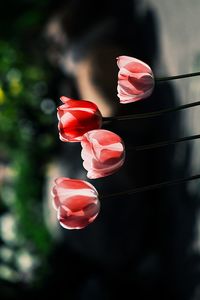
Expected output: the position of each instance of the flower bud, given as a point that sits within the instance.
(76, 202)
(76, 117)
(103, 153)
(135, 79)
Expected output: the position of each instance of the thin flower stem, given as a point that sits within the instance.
(151, 114)
(152, 187)
(177, 76)
(164, 143)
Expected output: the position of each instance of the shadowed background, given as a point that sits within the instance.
(146, 245)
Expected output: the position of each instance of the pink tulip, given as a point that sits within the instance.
(135, 79)
(76, 202)
(103, 153)
(76, 117)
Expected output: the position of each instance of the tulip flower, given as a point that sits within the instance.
(76, 117)
(76, 202)
(135, 79)
(102, 153)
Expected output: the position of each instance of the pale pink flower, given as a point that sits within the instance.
(103, 153)
(135, 79)
(76, 202)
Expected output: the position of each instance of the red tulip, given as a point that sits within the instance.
(76, 117)
(76, 202)
(135, 79)
(103, 153)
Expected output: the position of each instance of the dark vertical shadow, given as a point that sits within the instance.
(139, 245)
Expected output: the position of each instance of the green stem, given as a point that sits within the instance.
(152, 187)
(177, 76)
(151, 114)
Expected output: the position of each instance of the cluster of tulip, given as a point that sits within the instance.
(103, 152)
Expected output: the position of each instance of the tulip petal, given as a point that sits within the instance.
(123, 61)
(76, 117)
(76, 202)
(135, 80)
(80, 219)
(102, 153)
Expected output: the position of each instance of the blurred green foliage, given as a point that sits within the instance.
(27, 122)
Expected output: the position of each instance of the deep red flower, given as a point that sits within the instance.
(103, 153)
(76, 202)
(76, 117)
(135, 79)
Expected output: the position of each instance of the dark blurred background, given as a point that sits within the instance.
(142, 246)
